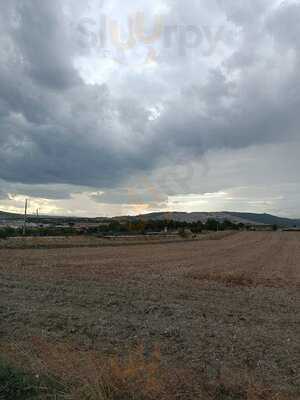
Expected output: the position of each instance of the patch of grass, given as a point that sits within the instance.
(16, 385)
(242, 385)
(228, 278)
(134, 377)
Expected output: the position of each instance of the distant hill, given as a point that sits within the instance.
(236, 217)
(268, 219)
(9, 216)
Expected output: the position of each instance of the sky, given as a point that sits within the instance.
(125, 107)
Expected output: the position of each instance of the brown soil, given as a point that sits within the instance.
(211, 306)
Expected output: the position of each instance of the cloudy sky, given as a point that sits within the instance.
(122, 107)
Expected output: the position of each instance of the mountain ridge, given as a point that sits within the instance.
(233, 216)
(236, 217)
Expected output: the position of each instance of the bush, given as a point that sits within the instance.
(7, 232)
(212, 225)
(3, 234)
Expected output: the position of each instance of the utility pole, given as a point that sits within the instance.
(25, 217)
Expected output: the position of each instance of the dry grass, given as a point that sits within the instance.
(219, 235)
(241, 385)
(228, 278)
(70, 242)
(87, 375)
(61, 242)
(79, 375)
(240, 279)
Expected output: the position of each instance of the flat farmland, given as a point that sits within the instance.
(216, 309)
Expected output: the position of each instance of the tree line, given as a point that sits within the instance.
(115, 227)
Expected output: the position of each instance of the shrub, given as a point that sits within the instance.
(7, 232)
(3, 234)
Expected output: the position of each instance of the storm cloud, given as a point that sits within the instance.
(73, 115)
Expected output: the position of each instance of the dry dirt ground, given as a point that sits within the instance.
(211, 306)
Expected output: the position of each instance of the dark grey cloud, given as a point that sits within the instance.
(47, 191)
(45, 41)
(55, 128)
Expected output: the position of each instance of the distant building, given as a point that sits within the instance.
(261, 228)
